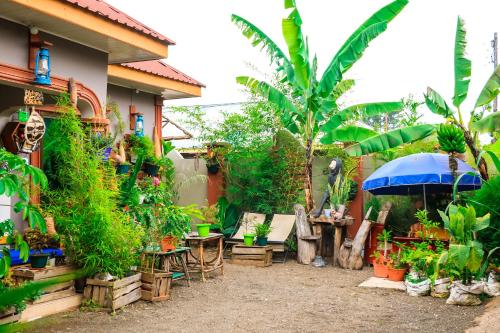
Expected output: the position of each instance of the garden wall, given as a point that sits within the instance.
(190, 177)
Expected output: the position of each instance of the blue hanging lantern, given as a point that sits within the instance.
(42, 67)
(139, 125)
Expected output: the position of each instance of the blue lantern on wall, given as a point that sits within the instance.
(139, 125)
(42, 67)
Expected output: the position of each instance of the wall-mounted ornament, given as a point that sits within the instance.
(24, 137)
(32, 97)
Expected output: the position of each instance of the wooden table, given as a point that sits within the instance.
(339, 225)
(200, 264)
(170, 261)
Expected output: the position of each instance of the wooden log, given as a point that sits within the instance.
(355, 260)
(306, 249)
(344, 252)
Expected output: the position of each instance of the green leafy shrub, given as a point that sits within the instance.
(83, 199)
(487, 200)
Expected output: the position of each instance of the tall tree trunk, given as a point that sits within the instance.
(483, 168)
(308, 186)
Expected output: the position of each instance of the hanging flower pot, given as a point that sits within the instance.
(122, 169)
(151, 169)
(213, 168)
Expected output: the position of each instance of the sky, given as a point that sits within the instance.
(415, 51)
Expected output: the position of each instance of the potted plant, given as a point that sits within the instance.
(261, 231)
(428, 229)
(37, 241)
(465, 259)
(385, 237)
(396, 267)
(175, 222)
(213, 165)
(379, 265)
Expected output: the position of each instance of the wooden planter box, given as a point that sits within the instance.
(113, 295)
(57, 298)
(156, 285)
(260, 256)
(9, 316)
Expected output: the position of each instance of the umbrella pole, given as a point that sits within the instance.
(425, 199)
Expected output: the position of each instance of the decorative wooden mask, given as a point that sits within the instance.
(33, 133)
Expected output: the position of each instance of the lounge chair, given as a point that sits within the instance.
(281, 228)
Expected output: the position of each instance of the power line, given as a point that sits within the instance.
(207, 106)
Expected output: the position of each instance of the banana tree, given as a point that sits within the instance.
(310, 109)
(479, 121)
(465, 256)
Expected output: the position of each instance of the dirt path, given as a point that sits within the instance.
(281, 298)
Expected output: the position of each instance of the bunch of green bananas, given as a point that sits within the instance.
(451, 138)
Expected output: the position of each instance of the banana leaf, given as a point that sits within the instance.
(437, 104)
(390, 139)
(384, 15)
(347, 57)
(373, 109)
(259, 39)
(462, 65)
(489, 124)
(289, 112)
(490, 89)
(458, 255)
(493, 156)
(348, 133)
(297, 47)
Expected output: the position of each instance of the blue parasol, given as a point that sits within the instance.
(420, 173)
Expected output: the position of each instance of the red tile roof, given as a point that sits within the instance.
(160, 68)
(101, 8)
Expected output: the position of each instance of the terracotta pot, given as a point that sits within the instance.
(379, 270)
(3, 240)
(168, 243)
(396, 274)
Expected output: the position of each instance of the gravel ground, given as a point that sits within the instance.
(281, 298)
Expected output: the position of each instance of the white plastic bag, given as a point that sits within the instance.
(492, 286)
(461, 294)
(421, 288)
(440, 288)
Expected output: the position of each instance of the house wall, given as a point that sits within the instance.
(14, 42)
(68, 59)
(85, 65)
(144, 103)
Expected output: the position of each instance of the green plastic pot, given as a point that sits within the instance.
(261, 241)
(203, 229)
(248, 239)
(39, 260)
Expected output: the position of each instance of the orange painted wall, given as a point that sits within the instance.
(356, 206)
(215, 187)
